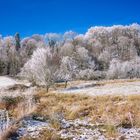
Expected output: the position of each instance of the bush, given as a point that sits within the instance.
(127, 69)
(89, 74)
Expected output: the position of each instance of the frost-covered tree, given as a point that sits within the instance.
(3, 61)
(69, 35)
(10, 59)
(68, 69)
(40, 69)
(53, 39)
(127, 69)
(82, 57)
(67, 49)
(14, 62)
(115, 50)
(29, 45)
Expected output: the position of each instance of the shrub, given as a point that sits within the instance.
(127, 69)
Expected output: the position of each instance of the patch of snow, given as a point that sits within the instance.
(130, 133)
(6, 81)
(126, 88)
(84, 130)
(28, 92)
(80, 130)
(32, 128)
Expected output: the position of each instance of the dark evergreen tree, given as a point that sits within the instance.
(17, 41)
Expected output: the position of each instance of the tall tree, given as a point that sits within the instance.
(17, 41)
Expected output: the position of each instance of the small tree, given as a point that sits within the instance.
(67, 69)
(40, 69)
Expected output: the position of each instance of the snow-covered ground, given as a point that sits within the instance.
(84, 130)
(6, 81)
(23, 87)
(124, 87)
(118, 88)
(32, 127)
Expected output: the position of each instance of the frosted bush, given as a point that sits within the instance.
(67, 70)
(127, 69)
(90, 74)
(86, 74)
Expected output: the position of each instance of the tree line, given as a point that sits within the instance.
(102, 52)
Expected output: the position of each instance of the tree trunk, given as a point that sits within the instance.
(66, 82)
(47, 89)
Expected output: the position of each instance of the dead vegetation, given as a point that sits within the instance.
(107, 112)
(9, 103)
(18, 108)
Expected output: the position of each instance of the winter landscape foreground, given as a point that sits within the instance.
(82, 111)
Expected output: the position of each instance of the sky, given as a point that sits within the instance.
(43, 16)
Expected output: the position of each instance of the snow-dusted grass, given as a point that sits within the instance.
(6, 82)
(117, 107)
(16, 99)
(107, 113)
(32, 127)
(17, 113)
(76, 106)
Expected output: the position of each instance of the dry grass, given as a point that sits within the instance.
(18, 109)
(8, 133)
(108, 112)
(9, 103)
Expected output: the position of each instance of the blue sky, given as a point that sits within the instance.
(40, 16)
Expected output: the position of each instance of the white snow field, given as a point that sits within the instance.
(110, 87)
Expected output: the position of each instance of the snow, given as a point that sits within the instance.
(121, 88)
(32, 127)
(6, 81)
(130, 133)
(84, 130)
(80, 130)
